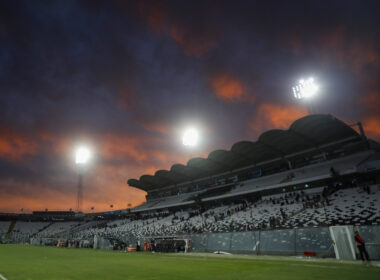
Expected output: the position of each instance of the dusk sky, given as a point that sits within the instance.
(126, 77)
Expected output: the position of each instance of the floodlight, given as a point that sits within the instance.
(82, 155)
(190, 137)
(305, 89)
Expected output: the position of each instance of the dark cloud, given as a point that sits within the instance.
(127, 76)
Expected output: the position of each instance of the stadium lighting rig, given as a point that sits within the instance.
(82, 155)
(305, 89)
(190, 137)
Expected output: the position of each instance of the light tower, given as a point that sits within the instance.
(82, 156)
(305, 91)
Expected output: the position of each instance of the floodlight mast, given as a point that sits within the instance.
(305, 90)
(82, 156)
(80, 193)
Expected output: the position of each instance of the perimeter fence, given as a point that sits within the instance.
(287, 242)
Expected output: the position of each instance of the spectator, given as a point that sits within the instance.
(361, 246)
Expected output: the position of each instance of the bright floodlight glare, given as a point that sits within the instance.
(190, 137)
(305, 89)
(82, 155)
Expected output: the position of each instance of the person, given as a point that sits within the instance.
(138, 246)
(361, 246)
(153, 245)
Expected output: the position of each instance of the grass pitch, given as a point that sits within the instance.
(23, 262)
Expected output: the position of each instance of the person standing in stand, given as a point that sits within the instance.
(361, 246)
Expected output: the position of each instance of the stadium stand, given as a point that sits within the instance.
(318, 173)
(303, 208)
(353, 206)
(4, 226)
(29, 228)
(55, 229)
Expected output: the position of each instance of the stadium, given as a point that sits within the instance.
(189, 140)
(293, 198)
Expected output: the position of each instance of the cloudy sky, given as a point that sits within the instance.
(126, 77)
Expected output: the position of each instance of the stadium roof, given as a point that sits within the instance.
(305, 133)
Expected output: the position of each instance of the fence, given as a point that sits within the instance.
(271, 242)
(371, 234)
(289, 242)
(15, 237)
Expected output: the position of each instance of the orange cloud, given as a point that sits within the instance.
(154, 126)
(144, 150)
(97, 193)
(107, 185)
(193, 41)
(16, 143)
(105, 181)
(356, 53)
(15, 146)
(155, 14)
(227, 87)
(371, 121)
(30, 197)
(372, 127)
(118, 146)
(271, 116)
(338, 46)
(104, 185)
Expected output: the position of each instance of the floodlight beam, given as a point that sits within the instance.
(82, 155)
(190, 137)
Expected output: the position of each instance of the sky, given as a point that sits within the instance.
(126, 77)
